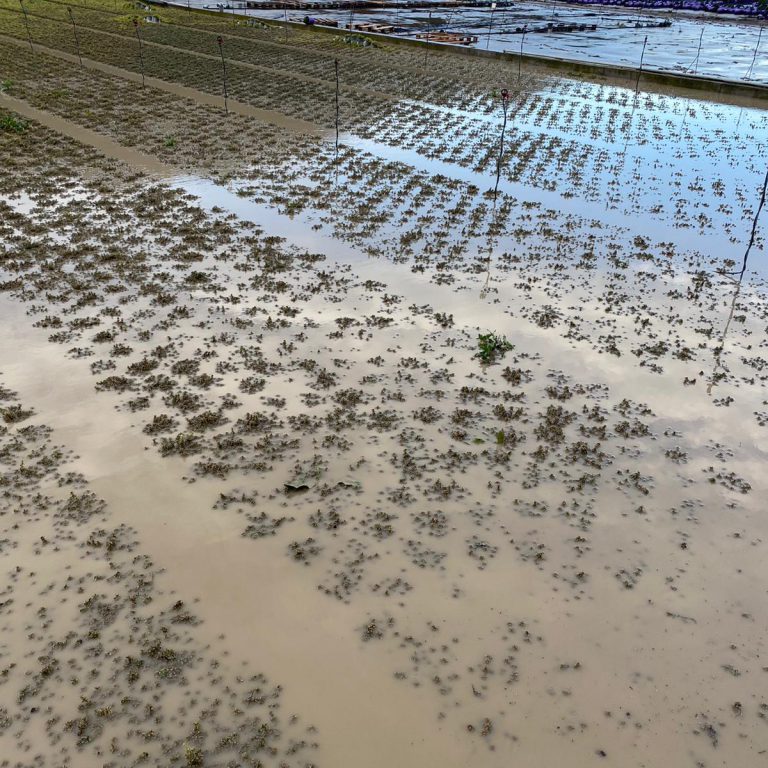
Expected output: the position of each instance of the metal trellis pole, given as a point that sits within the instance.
(220, 41)
(141, 52)
(26, 24)
(640, 69)
(77, 40)
(754, 57)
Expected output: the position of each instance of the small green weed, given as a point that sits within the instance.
(170, 142)
(491, 347)
(12, 124)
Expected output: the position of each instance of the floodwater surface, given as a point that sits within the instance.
(716, 46)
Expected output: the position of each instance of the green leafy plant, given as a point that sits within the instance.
(170, 142)
(12, 124)
(491, 347)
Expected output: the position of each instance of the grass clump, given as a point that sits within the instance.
(193, 755)
(11, 124)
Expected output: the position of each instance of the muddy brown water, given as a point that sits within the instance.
(269, 612)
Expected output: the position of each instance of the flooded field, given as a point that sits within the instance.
(377, 421)
(707, 44)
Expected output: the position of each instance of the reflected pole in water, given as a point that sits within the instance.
(754, 229)
(336, 68)
(685, 117)
(26, 24)
(77, 41)
(754, 57)
(490, 27)
(621, 165)
(336, 162)
(220, 41)
(494, 215)
(520, 60)
(717, 368)
(716, 374)
(485, 290)
(738, 122)
(141, 52)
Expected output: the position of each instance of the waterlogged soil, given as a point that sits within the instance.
(319, 454)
